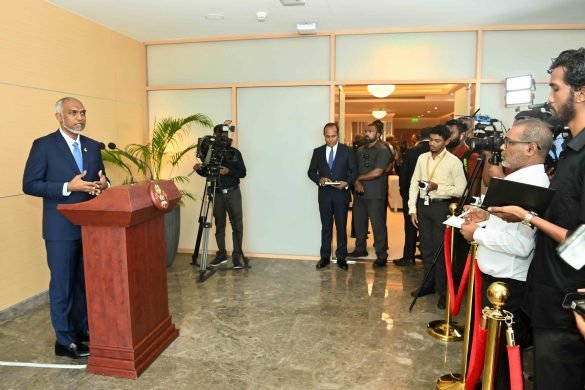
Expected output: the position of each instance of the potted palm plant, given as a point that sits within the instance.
(157, 160)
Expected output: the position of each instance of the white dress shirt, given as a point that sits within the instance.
(505, 250)
(328, 150)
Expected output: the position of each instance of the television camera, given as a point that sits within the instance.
(488, 137)
(214, 150)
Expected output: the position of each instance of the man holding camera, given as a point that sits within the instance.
(506, 249)
(438, 176)
(371, 190)
(228, 200)
(559, 348)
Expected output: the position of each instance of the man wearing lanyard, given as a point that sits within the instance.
(438, 176)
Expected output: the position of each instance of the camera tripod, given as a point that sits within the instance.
(212, 184)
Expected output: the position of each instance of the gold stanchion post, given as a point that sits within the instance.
(447, 330)
(497, 294)
(454, 381)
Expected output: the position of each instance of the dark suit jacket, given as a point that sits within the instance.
(344, 169)
(408, 165)
(50, 164)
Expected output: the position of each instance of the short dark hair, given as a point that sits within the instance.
(425, 133)
(378, 125)
(461, 127)
(442, 131)
(331, 124)
(573, 62)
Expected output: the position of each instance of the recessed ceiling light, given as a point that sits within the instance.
(435, 108)
(214, 17)
(428, 112)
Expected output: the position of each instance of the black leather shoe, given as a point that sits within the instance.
(442, 302)
(342, 264)
(379, 263)
(73, 351)
(322, 263)
(402, 262)
(218, 260)
(354, 254)
(426, 291)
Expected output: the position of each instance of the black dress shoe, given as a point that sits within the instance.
(379, 263)
(341, 263)
(73, 351)
(324, 262)
(442, 302)
(82, 338)
(354, 254)
(426, 291)
(402, 262)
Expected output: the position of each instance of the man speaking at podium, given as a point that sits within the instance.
(333, 169)
(65, 167)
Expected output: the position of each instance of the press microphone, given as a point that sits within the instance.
(118, 159)
(538, 106)
(139, 163)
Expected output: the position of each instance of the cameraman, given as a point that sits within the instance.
(506, 249)
(559, 348)
(228, 199)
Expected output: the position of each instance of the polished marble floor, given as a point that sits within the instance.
(279, 325)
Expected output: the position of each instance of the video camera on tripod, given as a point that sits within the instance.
(486, 136)
(214, 150)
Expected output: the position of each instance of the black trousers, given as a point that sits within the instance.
(521, 326)
(410, 232)
(374, 210)
(559, 359)
(230, 204)
(330, 211)
(431, 233)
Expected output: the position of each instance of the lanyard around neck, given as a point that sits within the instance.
(430, 177)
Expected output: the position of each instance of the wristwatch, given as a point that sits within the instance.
(528, 218)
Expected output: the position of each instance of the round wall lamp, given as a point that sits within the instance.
(379, 114)
(380, 90)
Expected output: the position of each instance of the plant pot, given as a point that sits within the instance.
(172, 232)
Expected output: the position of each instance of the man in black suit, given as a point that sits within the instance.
(333, 163)
(65, 167)
(406, 172)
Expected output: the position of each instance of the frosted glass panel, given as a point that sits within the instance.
(515, 53)
(492, 102)
(285, 59)
(279, 128)
(406, 56)
(215, 103)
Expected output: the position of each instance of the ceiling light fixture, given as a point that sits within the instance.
(307, 28)
(214, 17)
(261, 16)
(381, 91)
(379, 114)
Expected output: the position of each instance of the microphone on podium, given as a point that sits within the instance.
(117, 159)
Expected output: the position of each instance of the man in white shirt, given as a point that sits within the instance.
(438, 176)
(505, 250)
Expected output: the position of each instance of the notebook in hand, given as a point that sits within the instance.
(507, 193)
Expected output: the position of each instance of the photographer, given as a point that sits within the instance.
(505, 250)
(559, 348)
(227, 199)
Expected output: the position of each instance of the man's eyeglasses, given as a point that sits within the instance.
(508, 141)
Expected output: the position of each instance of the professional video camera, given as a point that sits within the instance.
(486, 136)
(214, 150)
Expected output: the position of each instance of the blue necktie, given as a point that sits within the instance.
(77, 156)
(330, 160)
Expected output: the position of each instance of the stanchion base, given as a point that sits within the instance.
(444, 331)
(450, 382)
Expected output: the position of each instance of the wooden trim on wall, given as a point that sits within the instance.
(371, 31)
(234, 113)
(240, 85)
(146, 126)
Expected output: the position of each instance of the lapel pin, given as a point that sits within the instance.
(85, 149)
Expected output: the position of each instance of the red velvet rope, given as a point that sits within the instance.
(454, 301)
(515, 363)
(477, 356)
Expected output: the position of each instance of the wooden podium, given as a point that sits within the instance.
(125, 275)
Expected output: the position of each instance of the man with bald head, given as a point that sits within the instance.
(65, 167)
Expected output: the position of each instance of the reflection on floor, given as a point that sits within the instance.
(279, 325)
